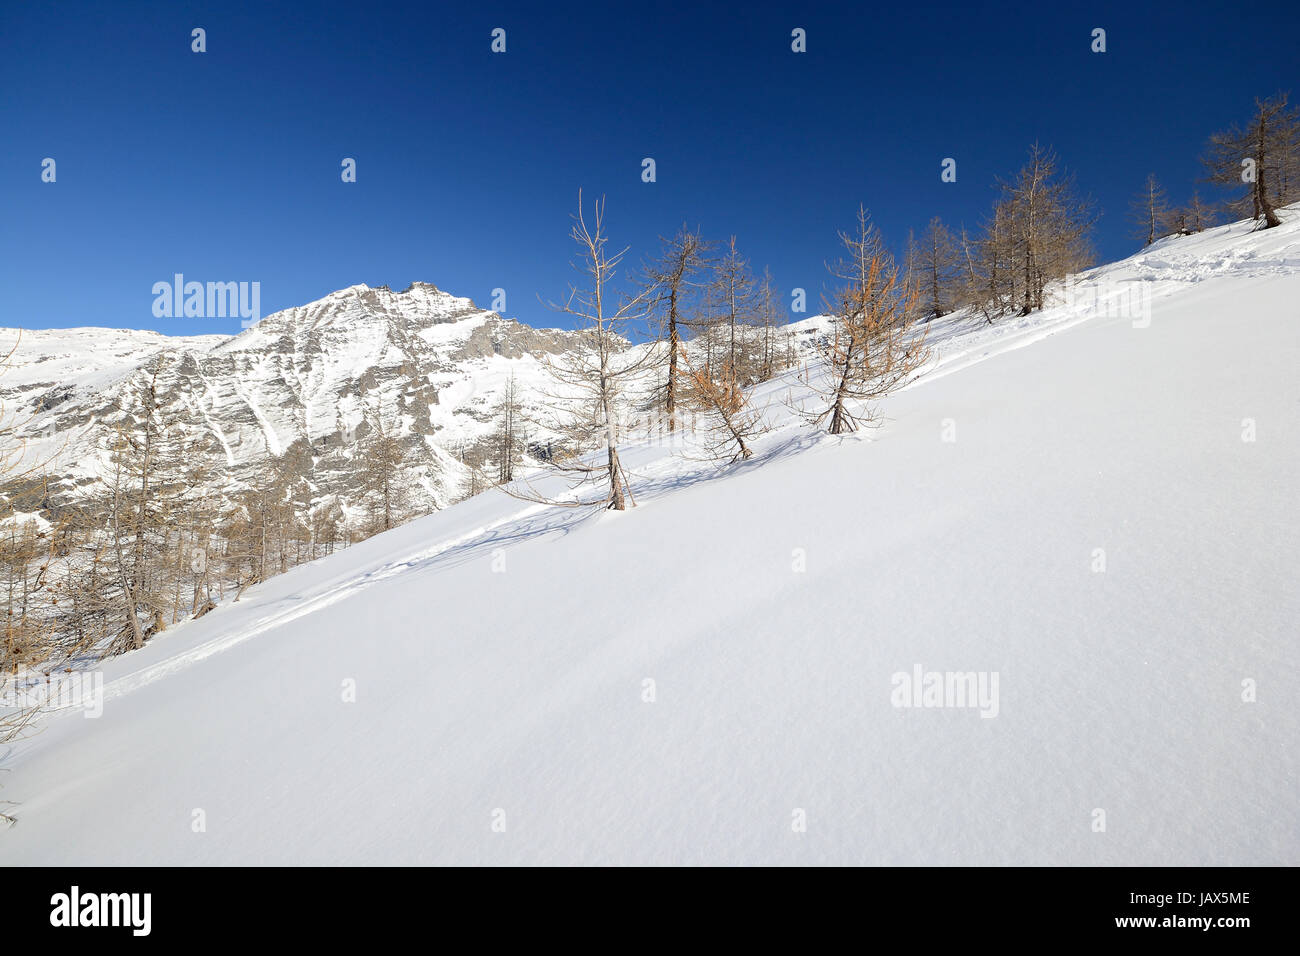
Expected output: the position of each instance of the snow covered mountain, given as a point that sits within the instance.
(1090, 511)
(430, 364)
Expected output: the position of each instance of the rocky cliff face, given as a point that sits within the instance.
(311, 381)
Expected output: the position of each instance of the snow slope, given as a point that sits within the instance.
(83, 358)
(500, 650)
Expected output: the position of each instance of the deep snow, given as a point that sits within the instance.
(500, 650)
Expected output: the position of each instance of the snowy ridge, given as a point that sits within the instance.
(430, 364)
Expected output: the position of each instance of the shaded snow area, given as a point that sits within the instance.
(1092, 511)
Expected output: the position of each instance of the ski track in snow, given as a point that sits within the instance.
(305, 605)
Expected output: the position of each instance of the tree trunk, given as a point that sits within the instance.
(674, 343)
(616, 500)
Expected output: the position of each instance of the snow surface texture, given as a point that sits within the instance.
(500, 651)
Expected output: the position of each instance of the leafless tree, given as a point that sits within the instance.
(728, 424)
(1039, 232)
(771, 360)
(937, 269)
(735, 291)
(1264, 156)
(1199, 215)
(382, 456)
(913, 275)
(1149, 211)
(506, 439)
(143, 503)
(591, 379)
(674, 277)
(874, 346)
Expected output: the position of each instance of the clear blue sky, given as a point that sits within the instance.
(225, 165)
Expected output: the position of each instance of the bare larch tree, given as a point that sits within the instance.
(735, 292)
(938, 268)
(591, 378)
(506, 439)
(874, 345)
(1264, 156)
(729, 423)
(674, 276)
(1149, 211)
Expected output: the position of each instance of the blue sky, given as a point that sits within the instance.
(225, 165)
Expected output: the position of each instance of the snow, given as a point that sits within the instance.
(90, 357)
(499, 650)
(20, 521)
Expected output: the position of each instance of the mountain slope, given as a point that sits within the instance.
(431, 365)
(499, 650)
